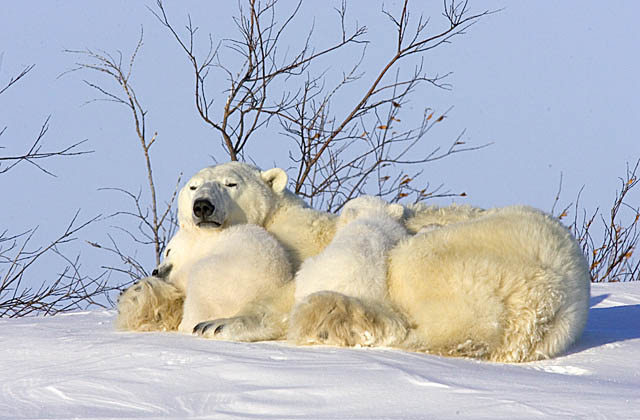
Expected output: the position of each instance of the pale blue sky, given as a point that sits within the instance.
(551, 84)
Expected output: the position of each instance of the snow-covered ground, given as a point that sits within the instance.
(77, 366)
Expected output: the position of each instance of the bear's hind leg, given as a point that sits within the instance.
(335, 319)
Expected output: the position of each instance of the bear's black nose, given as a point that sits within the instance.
(203, 208)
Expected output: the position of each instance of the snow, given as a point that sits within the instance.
(76, 366)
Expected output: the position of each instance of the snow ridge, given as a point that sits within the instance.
(77, 366)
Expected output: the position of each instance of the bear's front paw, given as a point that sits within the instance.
(209, 329)
(227, 329)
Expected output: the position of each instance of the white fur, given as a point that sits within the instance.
(241, 194)
(510, 286)
(354, 263)
(151, 304)
(504, 284)
(260, 198)
(215, 273)
(354, 268)
(214, 270)
(231, 268)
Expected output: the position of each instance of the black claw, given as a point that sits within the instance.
(204, 326)
(197, 328)
(162, 271)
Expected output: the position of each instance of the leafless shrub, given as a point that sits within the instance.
(155, 225)
(340, 151)
(34, 153)
(68, 289)
(133, 267)
(609, 240)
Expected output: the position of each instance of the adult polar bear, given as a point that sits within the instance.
(506, 284)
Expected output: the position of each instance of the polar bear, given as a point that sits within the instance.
(208, 273)
(354, 263)
(205, 276)
(509, 286)
(214, 200)
(237, 193)
(352, 267)
(234, 193)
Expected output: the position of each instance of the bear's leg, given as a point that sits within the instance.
(537, 320)
(335, 319)
(196, 308)
(254, 327)
(150, 304)
(263, 319)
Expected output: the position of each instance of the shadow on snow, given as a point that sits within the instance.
(609, 325)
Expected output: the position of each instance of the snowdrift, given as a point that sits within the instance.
(77, 366)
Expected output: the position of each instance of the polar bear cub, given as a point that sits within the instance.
(341, 293)
(221, 273)
(218, 273)
(354, 263)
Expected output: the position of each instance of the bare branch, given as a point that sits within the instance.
(247, 107)
(103, 62)
(15, 79)
(458, 20)
(69, 289)
(613, 257)
(35, 153)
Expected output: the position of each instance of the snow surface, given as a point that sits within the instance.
(77, 366)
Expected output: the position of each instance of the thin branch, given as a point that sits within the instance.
(15, 79)
(68, 290)
(35, 152)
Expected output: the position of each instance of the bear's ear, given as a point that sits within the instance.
(276, 178)
(396, 211)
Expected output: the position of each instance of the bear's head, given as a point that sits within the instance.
(369, 206)
(231, 193)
